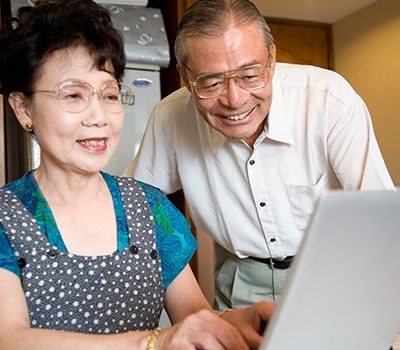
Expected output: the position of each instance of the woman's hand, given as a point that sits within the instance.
(196, 326)
(202, 330)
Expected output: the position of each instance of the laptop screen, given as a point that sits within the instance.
(343, 291)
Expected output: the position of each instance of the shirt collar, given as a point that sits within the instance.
(279, 126)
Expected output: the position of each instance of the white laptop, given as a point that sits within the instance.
(343, 291)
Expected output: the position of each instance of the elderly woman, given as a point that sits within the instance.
(88, 259)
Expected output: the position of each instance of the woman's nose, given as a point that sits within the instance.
(96, 111)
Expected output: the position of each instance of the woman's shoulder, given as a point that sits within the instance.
(24, 188)
(153, 194)
(149, 190)
(19, 184)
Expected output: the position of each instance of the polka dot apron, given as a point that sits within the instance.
(92, 294)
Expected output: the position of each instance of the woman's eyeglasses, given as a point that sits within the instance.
(75, 95)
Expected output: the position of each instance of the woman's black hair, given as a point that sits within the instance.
(53, 25)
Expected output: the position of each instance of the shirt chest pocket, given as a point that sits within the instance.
(302, 199)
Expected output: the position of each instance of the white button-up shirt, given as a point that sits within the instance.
(257, 202)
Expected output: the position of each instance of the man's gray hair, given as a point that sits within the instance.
(213, 17)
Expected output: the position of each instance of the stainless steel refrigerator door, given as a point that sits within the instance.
(146, 85)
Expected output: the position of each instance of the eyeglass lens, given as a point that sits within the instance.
(76, 96)
(249, 78)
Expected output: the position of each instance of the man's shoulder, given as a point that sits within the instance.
(177, 100)
(310, 77)
(305, 73)
(175, 112)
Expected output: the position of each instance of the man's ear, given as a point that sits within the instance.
(272, 56)
(272, 50)
(184, 78)
(20, 105)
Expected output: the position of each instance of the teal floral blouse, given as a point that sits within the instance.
(175, 243)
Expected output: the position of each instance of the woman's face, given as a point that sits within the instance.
(73, 141)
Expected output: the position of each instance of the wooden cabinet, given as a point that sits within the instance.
(302, 42)
(2, 153)
(5, 10)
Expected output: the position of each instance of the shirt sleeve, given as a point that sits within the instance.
(21, 187)
(155, 162)
(354, 151)
(175, 242)
(8, 259)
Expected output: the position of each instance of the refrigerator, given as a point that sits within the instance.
(147, 51)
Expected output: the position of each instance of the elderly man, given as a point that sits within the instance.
(252, 143)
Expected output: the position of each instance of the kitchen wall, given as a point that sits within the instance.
(367, 53)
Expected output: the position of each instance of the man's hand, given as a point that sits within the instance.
(251, 321)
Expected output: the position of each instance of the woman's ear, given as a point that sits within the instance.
(20, 105)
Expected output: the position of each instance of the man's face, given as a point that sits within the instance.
(237, 113)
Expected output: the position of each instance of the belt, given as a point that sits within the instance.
(281, 264)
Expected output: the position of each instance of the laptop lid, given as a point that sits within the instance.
(343, 290)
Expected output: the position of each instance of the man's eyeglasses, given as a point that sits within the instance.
(75, 95)
(211, 85)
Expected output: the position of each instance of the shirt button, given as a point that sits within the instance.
(52, 253)
(133, 249)
(262, 204)
(21, 263)
(153, 254)
(272, 240)
(252, 162)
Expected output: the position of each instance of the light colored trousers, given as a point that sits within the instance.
(242, 282)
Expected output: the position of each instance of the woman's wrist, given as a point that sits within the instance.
(152, 338)
(223, 312)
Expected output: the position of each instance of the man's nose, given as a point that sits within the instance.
(234, 96)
